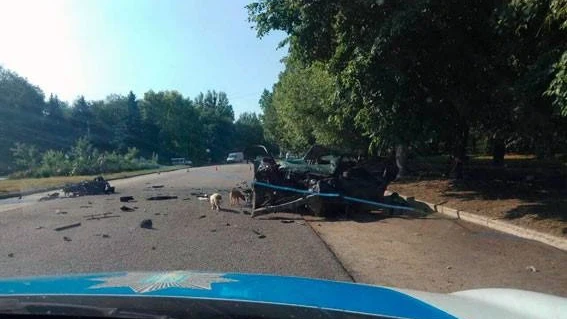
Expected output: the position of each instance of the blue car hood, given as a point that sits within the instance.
(313, 293)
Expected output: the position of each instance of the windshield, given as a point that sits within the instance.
(419, 145)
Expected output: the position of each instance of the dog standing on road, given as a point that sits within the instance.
(235, 197)
(215, 200)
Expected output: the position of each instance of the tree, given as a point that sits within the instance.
(21, 113)
(134, 122)
(248, 131)
(216, 116)
(81, 114)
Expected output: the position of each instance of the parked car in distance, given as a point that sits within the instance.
(237, 157)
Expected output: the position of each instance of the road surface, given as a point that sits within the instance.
(187, 234)
(431, 254)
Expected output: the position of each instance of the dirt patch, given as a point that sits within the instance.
(531, 207)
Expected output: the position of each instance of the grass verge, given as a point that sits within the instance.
(23, 185)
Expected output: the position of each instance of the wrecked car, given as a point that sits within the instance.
(322, 182)
(97, 186)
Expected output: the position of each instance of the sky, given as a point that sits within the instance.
(99, 47)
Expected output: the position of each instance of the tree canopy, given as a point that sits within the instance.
(426, 74)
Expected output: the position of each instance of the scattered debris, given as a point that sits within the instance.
(227, 224)
(146, 223)
(287, 221)
(65, 238)
(127, 209)
(199, 194)
(49, 197)
(449, 267)
(188, 198)
(85, 206)
(125, 199)
(161, 197)
(302, 223)
(157, 214)
(101, 216)
(39, 227)
(157, 186)
(89, 202)
(213, 230)
(260, 235)
(97, 186)
(105, 236)
(203, 198)
(202, 216)
(60, 212)
(60, 228)
(11, 255)
(532, 269)
(153, 247)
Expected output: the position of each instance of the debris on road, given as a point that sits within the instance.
(188, 198)
(65, 238)
(287, 221)
(11, 255)
(127, 209)
(213, 230)
(153, 247)
(60, 228)
(203, 198)
(146, 223)
(157, 186)
(125, 199)
(227, 224)
(161, 197)
(100, 216)
(49, 197)
(157, 214)
(449, 267)
(97, 186)
(85, 206)
(105, 236)
(260, 235)
(60, 212)
(202, 216)
(532, 269)
(39, 227)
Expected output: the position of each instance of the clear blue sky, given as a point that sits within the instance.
(99, 47)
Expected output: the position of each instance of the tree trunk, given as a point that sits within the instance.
(401, 159)
(498, 152)
(460, 152)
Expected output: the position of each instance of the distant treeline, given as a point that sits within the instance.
(160, 125)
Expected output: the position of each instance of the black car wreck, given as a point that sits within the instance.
(322, 182)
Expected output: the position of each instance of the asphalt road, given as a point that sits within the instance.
(186, 235)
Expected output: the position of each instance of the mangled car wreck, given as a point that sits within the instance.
(323, 182)
(97, 186)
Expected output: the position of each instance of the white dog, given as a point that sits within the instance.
(215, 200)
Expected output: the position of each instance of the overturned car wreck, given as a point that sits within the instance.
(323, 182)
(97, 186)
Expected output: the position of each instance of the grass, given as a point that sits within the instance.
(30, 184)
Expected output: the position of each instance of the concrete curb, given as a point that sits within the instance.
(53, 188)
(496, 224)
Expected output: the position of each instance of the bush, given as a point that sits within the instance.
(83, 159)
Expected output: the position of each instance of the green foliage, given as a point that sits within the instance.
(26, 157)
(418, 73)
(83, 159)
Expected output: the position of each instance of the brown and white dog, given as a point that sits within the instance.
(215, 200)
(235, 196)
